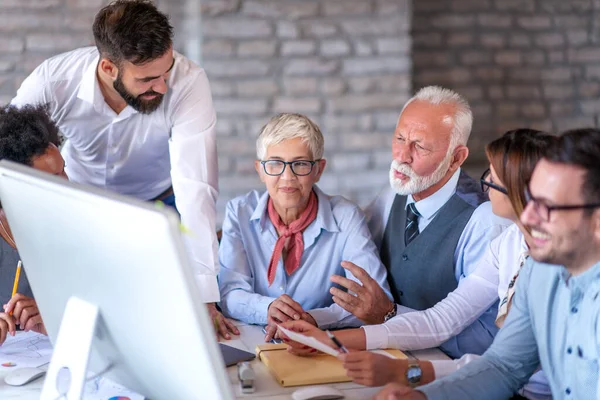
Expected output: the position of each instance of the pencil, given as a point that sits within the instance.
(16, 284)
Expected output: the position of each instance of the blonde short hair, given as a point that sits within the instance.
(290, 126)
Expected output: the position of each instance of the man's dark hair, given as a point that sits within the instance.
(581, 147)
(132, 30)
(26, 133)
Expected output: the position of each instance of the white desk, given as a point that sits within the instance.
(266, 386)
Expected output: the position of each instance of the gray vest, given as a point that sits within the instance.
(8, 267)
(423, 273)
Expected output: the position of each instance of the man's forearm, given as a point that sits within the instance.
(353, 338)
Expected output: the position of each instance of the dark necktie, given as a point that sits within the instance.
(412, 224)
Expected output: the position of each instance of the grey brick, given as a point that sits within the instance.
(470, 5)
(354, 103)
(558, 92)
(442, 77)
(287, 30)
(360, 66)
(257, 48)
(280, 9)
(515, 5)
(472, 93)
(253, 106)
(300, 86)
(236, 28)
(386, 122)
(519, 40)
(572, 21)
(221, 88)
(556, 74)
(577, 37)
(592, 72)
(298, 47)
(310, 66)
(427, 39)
(589, 89)
(376, 27)
(508, 57)
(481, 110)
(22, 22)
(398, 45)
(11, 45)
(534, 58)
(31, 4)
(364, 140)
(591, 106)
(361, 84)
(432, 58)
(318, 29)
(549, 40)
(556, 57)
(304, 105)
(236, 68)
(460, 39)
(350, 161)
(333, 86)
(496, 92)
(7, 66)
(55, 43)
(217, 48)
(257, 88)
(363, 47)
(494, 21)
(584, 55)
(348, 123)
(334, 48)
(475, 57)
(561, 108)
(347, 7)
(492, 40)
(533, 110)
(524, 92)
(449, 21)
(506, 110)
(563, 124)
(390, 7)
(211, 8)
(489, 73)
(534, 22)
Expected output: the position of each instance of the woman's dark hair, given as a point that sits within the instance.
(26, 132)
(514, 156)
(581, 148)
(132, 30)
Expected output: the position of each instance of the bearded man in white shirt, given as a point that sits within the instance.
(138, 119)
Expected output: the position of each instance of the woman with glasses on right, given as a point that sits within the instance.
(280, 247)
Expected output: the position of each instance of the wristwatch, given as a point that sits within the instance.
(391, 314)
(413, 374)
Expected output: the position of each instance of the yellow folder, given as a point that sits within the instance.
(291, 370)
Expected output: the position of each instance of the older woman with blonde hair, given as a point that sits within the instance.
(280, 247)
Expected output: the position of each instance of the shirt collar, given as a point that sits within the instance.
(89, 88)
(325, 219)
(582, 281)
(89, 91)
(429, 206)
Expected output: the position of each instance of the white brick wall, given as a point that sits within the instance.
(345, 63)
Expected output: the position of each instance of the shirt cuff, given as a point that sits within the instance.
(208, 288)
(443, 368)
(261, 308)
(376, 336)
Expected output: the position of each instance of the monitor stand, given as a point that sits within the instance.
(66, 374)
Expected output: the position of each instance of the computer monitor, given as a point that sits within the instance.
(124, 258)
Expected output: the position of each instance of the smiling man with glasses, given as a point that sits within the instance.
(555, 315)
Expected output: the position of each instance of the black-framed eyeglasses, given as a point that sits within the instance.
(486, 183)
(544, 210)
(277, 167)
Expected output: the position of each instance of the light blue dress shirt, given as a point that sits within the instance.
(339, 233)
(555, 320)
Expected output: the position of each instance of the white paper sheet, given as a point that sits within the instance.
(309, 341)
(26, 349)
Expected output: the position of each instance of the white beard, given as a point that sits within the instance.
(417, 183)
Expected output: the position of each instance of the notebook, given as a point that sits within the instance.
(291, 370)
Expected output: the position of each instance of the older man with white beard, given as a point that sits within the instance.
(428, 225)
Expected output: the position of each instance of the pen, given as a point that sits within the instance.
(16, 284)
(337, 342)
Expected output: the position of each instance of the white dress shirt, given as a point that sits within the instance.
(136, 154)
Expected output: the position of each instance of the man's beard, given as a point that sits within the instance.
(136, 102)
(417, 183)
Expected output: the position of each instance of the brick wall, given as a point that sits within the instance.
(521, 63)
(345, 63)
